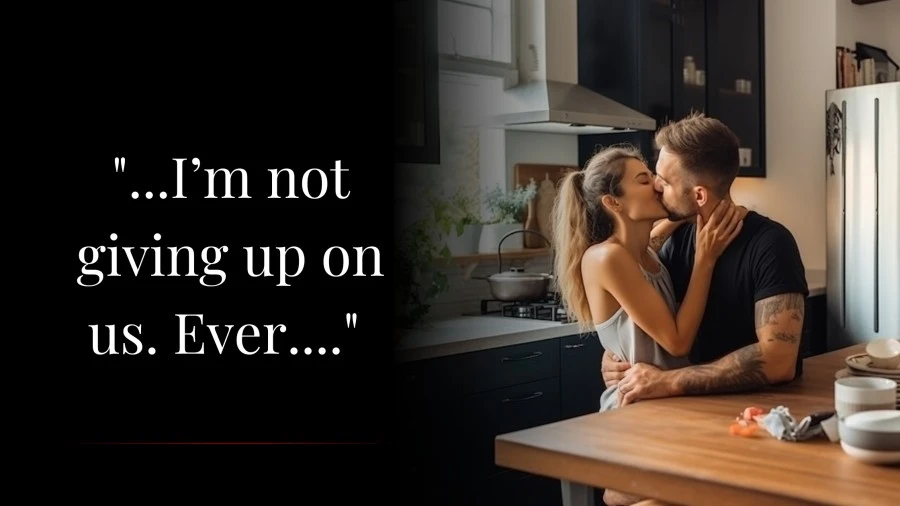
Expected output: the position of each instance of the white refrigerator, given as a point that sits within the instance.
(863, 214)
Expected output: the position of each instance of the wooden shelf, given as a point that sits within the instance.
(505, 255)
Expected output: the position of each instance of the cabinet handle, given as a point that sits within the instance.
(876, 215)
(521, 357)
(573, 346)
(844, 214)
(526, 398)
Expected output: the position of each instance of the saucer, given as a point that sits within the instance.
(861, 363)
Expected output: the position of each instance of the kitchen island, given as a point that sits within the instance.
(679, 450)
(462, 381)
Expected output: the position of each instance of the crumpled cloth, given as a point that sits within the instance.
(781, 424)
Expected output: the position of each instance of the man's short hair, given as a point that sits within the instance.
(707, 148)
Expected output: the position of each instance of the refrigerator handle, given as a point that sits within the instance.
(877, 134)
(844, 214)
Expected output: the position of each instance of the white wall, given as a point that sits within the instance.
(532, 147)
(875, 24)
(799, 68)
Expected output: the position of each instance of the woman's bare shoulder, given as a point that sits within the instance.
(604, 250)
(604, 255)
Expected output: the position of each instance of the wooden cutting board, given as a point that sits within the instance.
(547, 178)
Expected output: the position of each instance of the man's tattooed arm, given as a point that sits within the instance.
(662, 231)
(779, 323)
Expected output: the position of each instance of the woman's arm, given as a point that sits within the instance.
(622, 278)
(661, 232)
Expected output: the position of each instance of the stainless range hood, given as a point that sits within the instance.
(549, 98)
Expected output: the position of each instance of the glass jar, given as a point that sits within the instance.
(690, 70)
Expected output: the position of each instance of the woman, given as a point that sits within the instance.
(609, 277)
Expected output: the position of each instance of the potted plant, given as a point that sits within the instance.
(458, 224)
(508, 209)
(416, 281)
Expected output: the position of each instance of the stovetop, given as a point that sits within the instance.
(548, 309)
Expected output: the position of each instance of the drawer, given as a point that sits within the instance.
(481, 371)
(509, 409)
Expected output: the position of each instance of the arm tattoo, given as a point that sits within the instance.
(785, 337)
(738, 371)
(768, 311)
(657, 242)
(778, 321)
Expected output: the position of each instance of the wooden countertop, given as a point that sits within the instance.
(679, 450)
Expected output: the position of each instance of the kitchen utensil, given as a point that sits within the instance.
(857, 394)
(546, 197)
(549, 176)
(532, 241)
(516, 285)
(884, 353)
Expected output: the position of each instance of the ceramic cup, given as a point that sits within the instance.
(884, 353)
(856, 394)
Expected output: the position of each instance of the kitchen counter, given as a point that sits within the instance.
(475, 333)
(815, 280)
(465, 334)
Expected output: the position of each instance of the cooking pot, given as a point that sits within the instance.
(516, 285)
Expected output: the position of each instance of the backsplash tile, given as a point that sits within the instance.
(465, 295)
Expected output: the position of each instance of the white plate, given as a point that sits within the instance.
(871, 456)
(857, 372)
(861, 362)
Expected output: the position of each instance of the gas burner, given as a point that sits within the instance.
(549, 309)
(522, 311)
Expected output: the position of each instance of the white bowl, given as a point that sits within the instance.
(877, 430)
(871, 456)
(862, 393)
(884, 353)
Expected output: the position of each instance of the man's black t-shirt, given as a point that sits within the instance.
(762, 261)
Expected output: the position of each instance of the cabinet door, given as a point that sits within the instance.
(814, 341)
(736, 79)
(581, 382)
(415, 72)
(625, 53)
(690, 65)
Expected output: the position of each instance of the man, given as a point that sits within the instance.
(750, 333)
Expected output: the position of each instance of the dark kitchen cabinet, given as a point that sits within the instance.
(668, 58)
(415, 82)
(814, 339)
(580, 379)
(451, 408)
